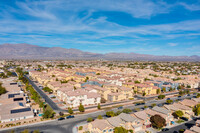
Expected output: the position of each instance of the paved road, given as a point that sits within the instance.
(43, 95)
(187, 125)
(67, 125)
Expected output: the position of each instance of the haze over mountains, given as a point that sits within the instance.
(27, 51)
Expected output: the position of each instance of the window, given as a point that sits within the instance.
(104, 131)
(110, 130)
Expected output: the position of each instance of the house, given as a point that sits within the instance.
(100, 126)
(169, 118)
(177, 106)
(15, 111)
(76, 97)
(189, 103)
(131, 122)
(142, 115)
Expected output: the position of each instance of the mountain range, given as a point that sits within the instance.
(28, 51)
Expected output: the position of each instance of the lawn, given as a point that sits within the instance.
(180, 121)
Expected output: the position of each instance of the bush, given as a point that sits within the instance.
(120, 130)
(117, 113)
(99, 117)
(161, 96)
(169, 101)
(80, 128)
(90, 119)
(99, 106)
(126, 111)
(2, 89)
(81, 108)
(110, 114)
(153, 104)
(178, 114)
(181, 130)
(47, 89)
(157, 121)
(70, 111)
(198, 95)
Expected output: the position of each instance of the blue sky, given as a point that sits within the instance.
(157, 27)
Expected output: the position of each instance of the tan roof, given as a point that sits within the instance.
(189, 131)
(141, 115)
(195, 129)
(188, 102)
(101, 124)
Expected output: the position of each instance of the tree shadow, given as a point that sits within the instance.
(189, 125)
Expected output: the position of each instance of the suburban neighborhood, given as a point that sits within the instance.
(136, 100)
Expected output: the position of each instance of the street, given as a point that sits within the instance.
(66, 126)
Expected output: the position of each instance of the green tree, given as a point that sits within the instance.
(36, 131)
(99, 117)
(161, 96)
(25, 131)
(136, 82)
(196, 109)
(81, 108)
(126, 111)
(120, 130)
(144, 94)
(2, 89)
(153, 104)
(198, 95)
(158, 91)
(164, 89)
(48, 112)
(80, 128)
(169, 101)
(70, 111)
(157, 121)
(110, 114)
(99, 106)
(178, 114)
(90, 119)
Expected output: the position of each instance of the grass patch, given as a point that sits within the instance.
(180, 121)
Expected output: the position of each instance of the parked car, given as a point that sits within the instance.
(179, 96)
(168, 98)
(70, 116)
(165, 129)
(61, 118)
(188, 95)
(121, 107)
(184, 118)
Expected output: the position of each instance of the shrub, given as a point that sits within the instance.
(81, 108)
(126, 111)
(110, 114)
(80, 128)
(99, 117)
(157, 121)
(90, 119)
(161, 96)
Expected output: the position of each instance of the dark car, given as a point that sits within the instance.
(61, 118)
(179, 96)
(168, 98)
(188, 95)
(121, 107)
(175, 132)
(160, 105)
(165, 129)
(184, 118)
(70, 116)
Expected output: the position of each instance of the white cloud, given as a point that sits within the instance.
(172, 44)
